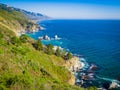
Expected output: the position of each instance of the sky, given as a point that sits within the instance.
(70, 9)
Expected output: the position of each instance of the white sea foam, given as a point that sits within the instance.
(85, 65)
(110, 80)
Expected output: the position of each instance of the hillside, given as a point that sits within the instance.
(22, 67)
(19, 20)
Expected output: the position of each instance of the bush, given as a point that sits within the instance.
(1, 35)
(49, 49)
(20, 50)
(44, 72)
(15, 41)
(68, 56)
(38, 45)
(23, 38)
(2, 87)
(58, 52)
(5, 67)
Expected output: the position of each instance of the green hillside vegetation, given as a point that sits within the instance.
(25, 64)
(14, 20)
(22, 66)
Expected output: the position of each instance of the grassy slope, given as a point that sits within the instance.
(12, 19)
(24, 68)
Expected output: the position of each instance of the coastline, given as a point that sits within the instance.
(35, 28)
(74, 65)
(88, 76)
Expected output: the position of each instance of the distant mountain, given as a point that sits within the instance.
(19, 20)
(30, 15)
(33, 15)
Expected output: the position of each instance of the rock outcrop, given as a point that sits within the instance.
(73, 65)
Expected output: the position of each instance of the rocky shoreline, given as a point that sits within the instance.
(73, 65)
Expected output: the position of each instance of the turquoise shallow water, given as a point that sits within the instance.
(97, 40)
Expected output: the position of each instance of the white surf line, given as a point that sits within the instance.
(111, 80)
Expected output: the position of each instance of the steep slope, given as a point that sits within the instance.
(22, 67)
(18, 20)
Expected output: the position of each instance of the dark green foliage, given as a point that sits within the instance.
(33, 65)
(8, 80)
(49, 49)
(2, 87)
(20, 50)
(38, 45)
(44, 72)
(23, 38)
(30, 25)
(63, 53)
(68, 56)
(1, 35)
(58, 52)
(15, 41)
(5, 67)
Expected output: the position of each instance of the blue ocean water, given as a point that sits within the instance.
(97, 40)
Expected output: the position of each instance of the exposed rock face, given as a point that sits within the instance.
(71, 81)
(23, 22)
(73, 65)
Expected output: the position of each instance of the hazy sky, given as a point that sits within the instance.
(73, 9)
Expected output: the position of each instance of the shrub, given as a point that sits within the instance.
(58, 52)
(68, 56)
(1, 35)
(44, 72)
(20, 50)
(2, 87)
(5, 67)
(15, 41)
(49, 49)
(23, 38)
(38, 45)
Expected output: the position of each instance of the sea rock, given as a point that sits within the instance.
(114, 85)
(56, 37)
(93, 67)
(40, 38)
(46, 37)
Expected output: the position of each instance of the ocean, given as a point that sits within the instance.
(98, 41)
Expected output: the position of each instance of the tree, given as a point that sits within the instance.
(15, 41)
(63, 53)
(68, 56)
(23, 38)
(39, 45)
(58, 52)
(49, 49)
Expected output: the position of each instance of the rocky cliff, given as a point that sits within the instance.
(19, 20)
